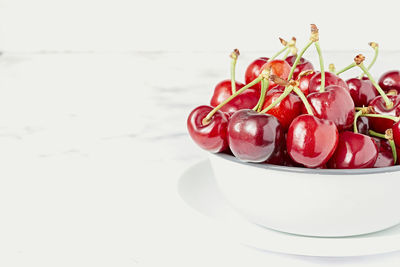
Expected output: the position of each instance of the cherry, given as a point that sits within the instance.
(396, 133)
(311, 141)
(304, 82)
(330, 79)
(247, 99)
(254, 137)
(362, 91)
(277, 67)
(379, 107)
(286, 110)
(354, 151)
(363, 125)
(211, 136)
(303, 65)
(334, 104)
(390, 80)
(385, 155)
(254, 70)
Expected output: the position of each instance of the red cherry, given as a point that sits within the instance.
(334, 104)
(396, 134)
(311, 141)
(287, 110)
(211, 137)
(385, 155)
(304, 83)
(330, 79)
(354, 151)
(303, 65)
(223, 90)
(362, 91)
(254, 137)
(254, 70)
(279, 68)
(390, 80)
(363, 125)
(380, 125)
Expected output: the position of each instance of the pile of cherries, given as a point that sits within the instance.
(289, 114)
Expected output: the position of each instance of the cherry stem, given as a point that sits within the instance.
(234, 56)
(391, 142)
(206, 120)
(286, 55)
(332, 68)
(296, 62)
(352, 65)
(304, 99)
(285, 93)
(358, 113)
(396, 119)
(375, 46)
(278, 53)
(389, 103)
(264, 87)
(321, 66)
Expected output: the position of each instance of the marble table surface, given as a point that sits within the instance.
(92, 146)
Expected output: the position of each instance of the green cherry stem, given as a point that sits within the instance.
(206, 120)
(376, 134)
(375, 46)
(394, 151)
(359, 61)
(388, 135)
(296, 62)
(286, 55)
(352, 65)
(264, 87)
(234, 55)
(285, 93)
(321, 66)
(304, 99)
(278, 53)
(396, 119)
(358, 113)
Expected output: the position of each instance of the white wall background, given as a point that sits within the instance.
(131, 25)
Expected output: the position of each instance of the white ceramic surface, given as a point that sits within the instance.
(311, 202)
(198, 188)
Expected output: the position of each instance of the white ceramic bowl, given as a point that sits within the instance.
(308, 201)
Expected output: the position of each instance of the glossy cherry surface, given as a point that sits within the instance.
(380, 125)
(254, 70)
(330, 79)
(303, 65)
(390, 80)
(279, 68)
(396, 134)
(362, 91)
(254, 137)
(222, 91)
(354, 151)
(363, 125)
(334, 104)
(311, 141)
(211, 137)
(288, 109)
(385, 155)
(304, 82)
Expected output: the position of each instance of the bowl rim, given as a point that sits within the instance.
(309, 170)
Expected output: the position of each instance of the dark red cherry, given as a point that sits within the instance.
(311, 141)
(288, 109)
(334, 104)
(304, 83)
(330, 79)
(380, 125)
(363, 125)
(222, 91)
(254, 70)
(303, 65)
(390, 80)
(279, 68)
(212, 136)
(396, 134)
(254, 137)
(385, 155)
(362, 91)
(247, 99)
(354, 151)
